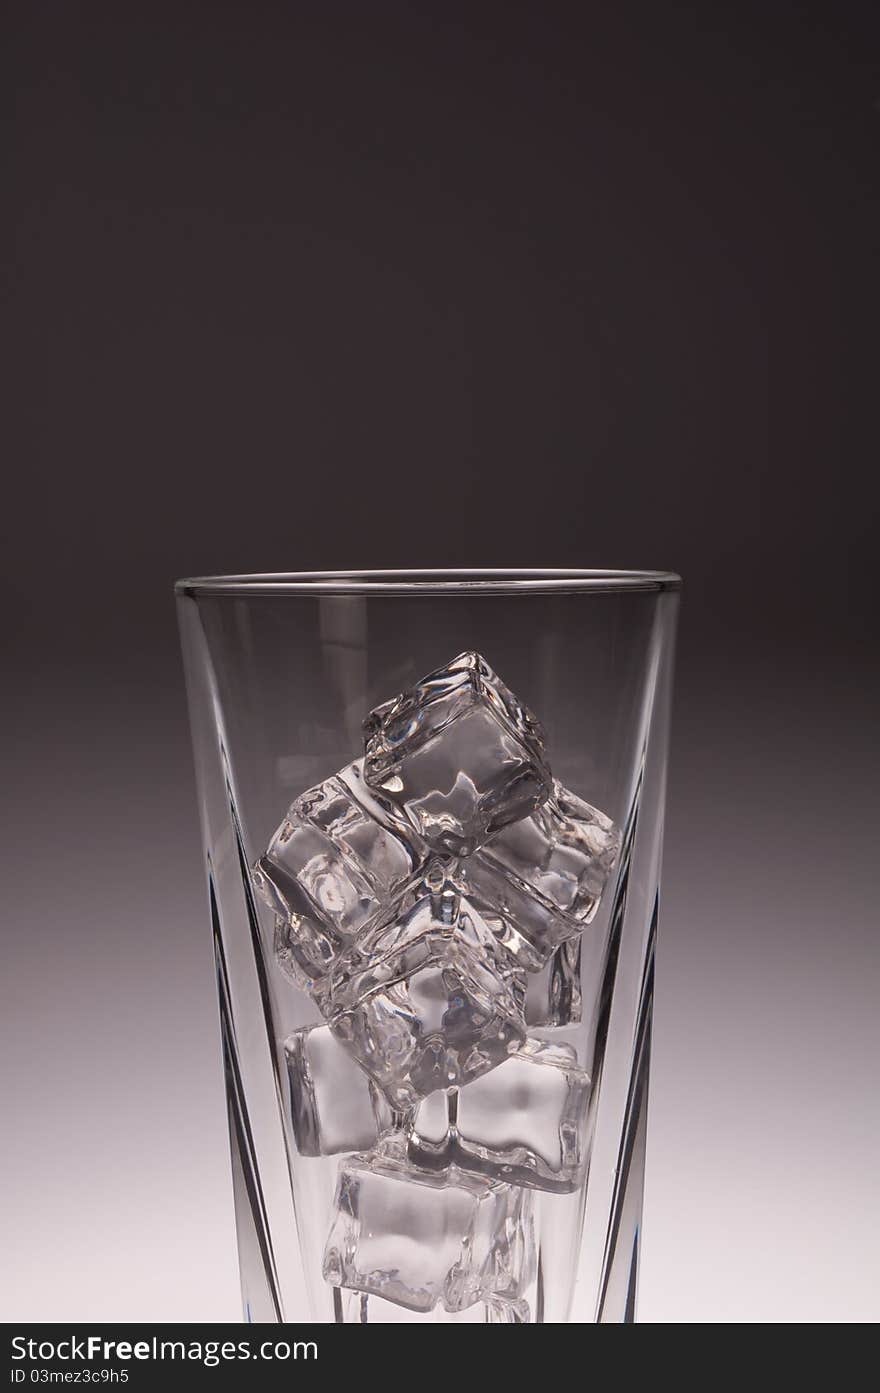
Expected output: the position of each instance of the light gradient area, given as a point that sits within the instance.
(116, 1195)
(764, 1131)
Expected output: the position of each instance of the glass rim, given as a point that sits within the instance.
(429, 582)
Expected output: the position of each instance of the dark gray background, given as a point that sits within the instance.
(338, 285)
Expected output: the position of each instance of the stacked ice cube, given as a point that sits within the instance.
(430, 897)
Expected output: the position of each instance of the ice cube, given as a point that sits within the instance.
(428, 997)
(507, 1313)
(359, 1308)
(386, 842)
(525, 923)
(553, 995)
(565, 851)
(334, 1106)
(410, 1238)
(304, 958)
(459, 754)
(337, 857)
(525, 1122)
(539, 881)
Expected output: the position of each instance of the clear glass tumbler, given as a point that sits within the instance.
(432, 812)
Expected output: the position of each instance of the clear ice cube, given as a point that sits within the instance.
(524, 1123)
(331, 866)
(459, 754)
(539, 881)
(428, 997)
(334, 1106)
(304, 958)
(359, 1308)
(565, 851)
(553, 995)
(407, 1237)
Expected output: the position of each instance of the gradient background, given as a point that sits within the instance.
(339, 285)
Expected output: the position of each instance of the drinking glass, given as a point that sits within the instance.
(513, 1192)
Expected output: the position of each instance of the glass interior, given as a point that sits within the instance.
(283, 670)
